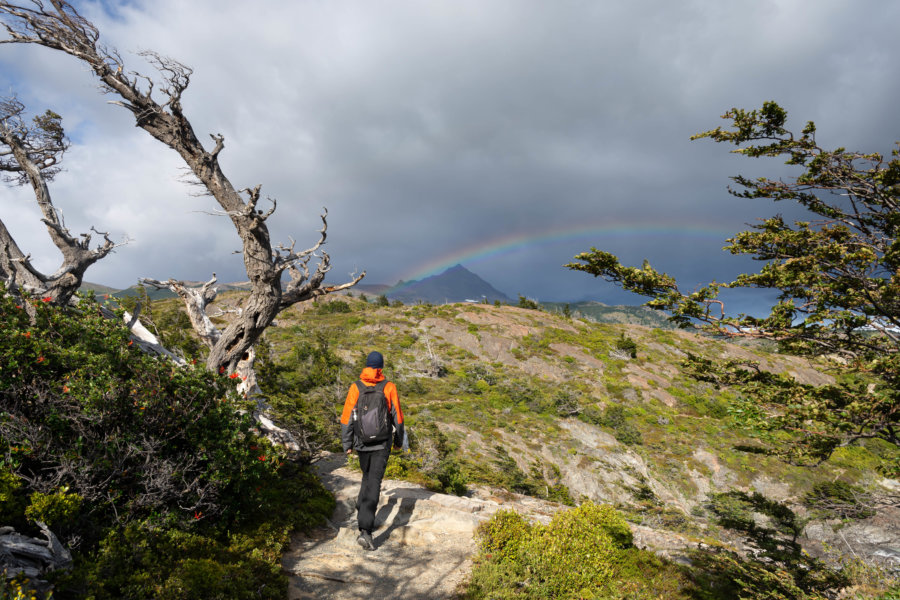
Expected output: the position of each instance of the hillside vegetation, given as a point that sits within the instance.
(550, 391)
(150, 474)
(593, 415)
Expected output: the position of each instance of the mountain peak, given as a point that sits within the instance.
(456, 284)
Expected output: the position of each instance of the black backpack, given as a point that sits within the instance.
(373, 417)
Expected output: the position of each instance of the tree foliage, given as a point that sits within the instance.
(525, 302)
(837, 276)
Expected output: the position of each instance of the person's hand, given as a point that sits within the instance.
(350, 451)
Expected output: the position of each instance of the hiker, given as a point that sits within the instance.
(371, 419)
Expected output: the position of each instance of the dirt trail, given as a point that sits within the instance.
(423, 540)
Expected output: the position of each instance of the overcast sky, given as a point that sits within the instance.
(505, 135)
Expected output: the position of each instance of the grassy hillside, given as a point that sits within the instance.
(557, 391)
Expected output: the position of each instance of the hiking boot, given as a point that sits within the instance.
(365, 540)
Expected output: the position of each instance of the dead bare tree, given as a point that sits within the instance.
(157, 109)
(29, 154)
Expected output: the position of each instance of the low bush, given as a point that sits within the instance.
(528, 303)
(616, 419)
(133, 436)
(333, 307)
(431, 461)
(627, 345)
(585, 552)
(836, 498)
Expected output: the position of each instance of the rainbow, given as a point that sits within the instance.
(592, 234)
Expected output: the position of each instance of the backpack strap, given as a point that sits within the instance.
(362, 387)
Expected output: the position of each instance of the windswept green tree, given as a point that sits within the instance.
(838, 282)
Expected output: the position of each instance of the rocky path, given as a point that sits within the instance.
(424, 541)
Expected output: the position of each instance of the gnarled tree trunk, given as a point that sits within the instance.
(58, 25)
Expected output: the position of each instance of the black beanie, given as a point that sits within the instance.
(375, 360)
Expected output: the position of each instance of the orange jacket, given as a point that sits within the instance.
(370, 377)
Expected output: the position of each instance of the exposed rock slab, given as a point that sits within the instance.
(424, 541)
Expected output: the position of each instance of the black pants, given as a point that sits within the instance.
(373, 464)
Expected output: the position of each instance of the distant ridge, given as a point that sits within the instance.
(456, 284)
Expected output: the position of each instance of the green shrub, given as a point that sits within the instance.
(616, 419)
(431, 462)
(732, 576)
(528, 303)
(333, 307)
(60, 505)
(510, 476)
(12, 497)
(585, 552)
(476, 379)
(892, 594)
(502, 537)
(168, 319)
(623, 430)
(144, 561)
(627, 345)
(300, 388)
(841, 499)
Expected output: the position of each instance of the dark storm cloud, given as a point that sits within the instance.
(428, 128)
